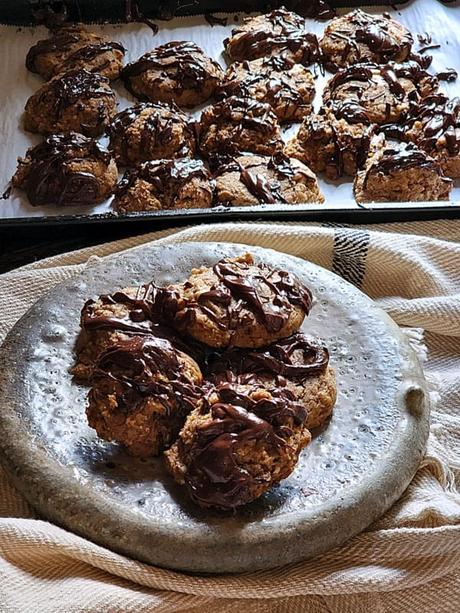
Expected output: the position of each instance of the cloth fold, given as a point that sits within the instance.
(408, 560)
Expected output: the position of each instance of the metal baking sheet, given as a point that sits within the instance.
(442, 21)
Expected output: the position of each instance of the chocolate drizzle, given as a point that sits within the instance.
(297, 357)
(156, 130)
(282, 90)
(360, 78)
(183, 62)
(375, 34)
(167, 177)
(216, 474)
(52, 180)
(66, 39)
(246, 120)
(285, 36)
(402, 156)
(142, 367)
(438, 120)
(263, 186)
(72, 87)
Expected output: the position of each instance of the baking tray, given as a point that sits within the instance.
(420, 16)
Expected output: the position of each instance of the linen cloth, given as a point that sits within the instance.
(409, 560)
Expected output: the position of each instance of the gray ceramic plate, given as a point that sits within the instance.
(346, 478)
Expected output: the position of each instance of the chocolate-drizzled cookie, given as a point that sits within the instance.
(142, 390)
(181, 183)
(288, 88)
(369, 93)
(66, 170)
(297, 366)
(77, 101)
(112, 317)
(255, 179)
(280, 33)
(331, 145)
(236, 125)
(434, 125)
(359, 37)
(236, 302)
(400, 172)
(151, 131)
(242, 440)
(72, 47)
(177, 72)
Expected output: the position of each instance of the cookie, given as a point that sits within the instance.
(237, 444)
(73, 47)
(66, 170)
(255, 179)
(142, 388)
(77, 101)
(236, 302)
(296, 368)
(182, 183)
(237, 125)
(110, 318)
(359, 37)
(369, 93)
(177, 72)
(288, 88)
(400, 172)
(280, 33)
(151, 131)
(331, 145)
(434, 126)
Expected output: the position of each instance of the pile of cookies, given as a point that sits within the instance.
(234, 154)
(213, 372)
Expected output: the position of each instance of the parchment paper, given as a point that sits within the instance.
(441, 21)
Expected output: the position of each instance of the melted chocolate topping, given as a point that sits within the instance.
(296, 357)
(50, 180)
(242, 114)
(138, 319)
(183, 62)
(287, 37)
(401, 156)
(240, 287)
(63, 40)
(360, 78)
(74, 86)
(157, 128)
(216, 476)
(372, 31)
(146, 366)
(265, 188)
(281, 93)
(167, 176)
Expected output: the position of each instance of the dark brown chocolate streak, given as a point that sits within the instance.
(76, 85)
(61, 41)
(183, 61)
(165, 176)
(50, 181)
(246, 113)
(91, 51)
(279, 358)
(157, 127)
(135, 364)
(400, 157)
(286, 291)
(253, 45)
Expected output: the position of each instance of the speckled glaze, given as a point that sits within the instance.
(346, 478)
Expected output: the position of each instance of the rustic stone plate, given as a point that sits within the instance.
(346, 478)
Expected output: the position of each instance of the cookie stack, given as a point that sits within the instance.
(213, 372)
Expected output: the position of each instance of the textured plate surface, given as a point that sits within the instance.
(347, 477)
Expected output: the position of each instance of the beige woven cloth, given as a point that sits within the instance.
(407, 561)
